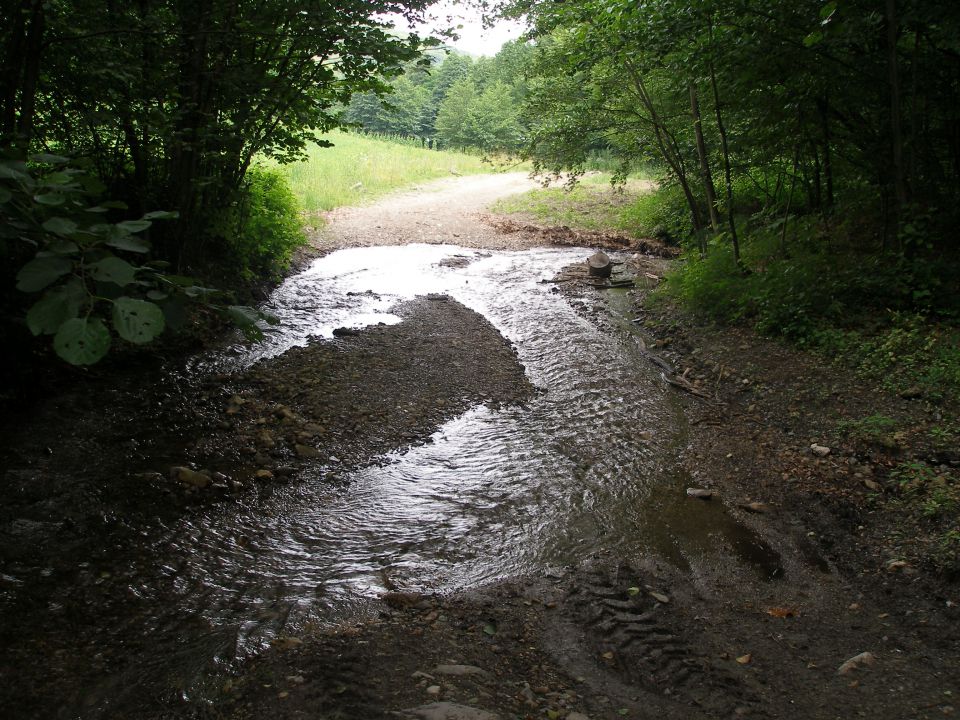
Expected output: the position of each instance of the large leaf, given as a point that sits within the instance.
(138, 321)
(60, 226)
(5, 195)
(82, 341)
(40, 272)
(55, 308)
(162, 215)
(113, 269)
(245, 318)
(50, 199)
(134, 226)
(128, 243)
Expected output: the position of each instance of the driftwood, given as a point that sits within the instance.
(668, 374)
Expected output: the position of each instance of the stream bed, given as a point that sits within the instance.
(588, 465)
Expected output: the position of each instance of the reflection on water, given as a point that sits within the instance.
(589, 463)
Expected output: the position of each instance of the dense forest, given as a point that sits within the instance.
(808, 153)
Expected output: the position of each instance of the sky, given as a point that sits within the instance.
(474, 39)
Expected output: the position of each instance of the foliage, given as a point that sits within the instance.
(172, 101)
(455, 102)
(90, 276)
(662, 214)
(263, 229)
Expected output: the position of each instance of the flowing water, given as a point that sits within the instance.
(588, 464)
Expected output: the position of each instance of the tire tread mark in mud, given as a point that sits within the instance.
(642, 643)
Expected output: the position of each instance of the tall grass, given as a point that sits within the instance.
(358, 169)
(591, 205)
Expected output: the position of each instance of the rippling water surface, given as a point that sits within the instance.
(589, 462)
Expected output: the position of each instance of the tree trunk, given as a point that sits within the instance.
(667, 148)
(726, 157)
(705, 173)
(896, 131)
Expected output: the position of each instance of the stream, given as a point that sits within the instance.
(589, 465)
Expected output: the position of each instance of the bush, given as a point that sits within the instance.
(662, 214)
(260, 232)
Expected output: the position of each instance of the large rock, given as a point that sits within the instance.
(599, 264)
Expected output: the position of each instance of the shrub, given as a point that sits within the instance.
(662, 214)
(260, 231)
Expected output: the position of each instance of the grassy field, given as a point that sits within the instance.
(591, 205)
(358, 169)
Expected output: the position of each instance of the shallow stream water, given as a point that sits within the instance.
(590, 463)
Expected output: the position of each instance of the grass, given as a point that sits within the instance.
(591, 205)
(359, 169)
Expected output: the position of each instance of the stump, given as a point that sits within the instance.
(600, 265)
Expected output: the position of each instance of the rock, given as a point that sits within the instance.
(912, 393)
(263, 474)
(306, 451)
(871, 484)
(577, 716)
(895, 565)
(345, 332)
(757, 507)
(745, 659)
(659, 597)
(189, 477)
(699, 493)
(864, 659)
(433, 690)
(447, 711)
(459, 670)
(819, 450)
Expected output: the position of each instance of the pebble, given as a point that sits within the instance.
(433, 690)
(577, 716)
(819, 450)
(190, 477)
(699, 493)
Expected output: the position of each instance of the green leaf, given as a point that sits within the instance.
(129, 243)
(13, 171)
(114, 205)
(49, 159)
(813, 38)
(60, 226)
(137, 321)
(82, 341)
(55, 308)
(827, 11)
(5, 195)
(113, 269)
(162, 215)
(490, 629)
(50, 199)
(41, 271)
(59, 246)
(134, 226)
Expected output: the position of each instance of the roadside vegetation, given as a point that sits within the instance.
(357, 169)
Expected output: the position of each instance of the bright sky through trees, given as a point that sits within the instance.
(474, 38)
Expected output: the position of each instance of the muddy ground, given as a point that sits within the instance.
(612, 637)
